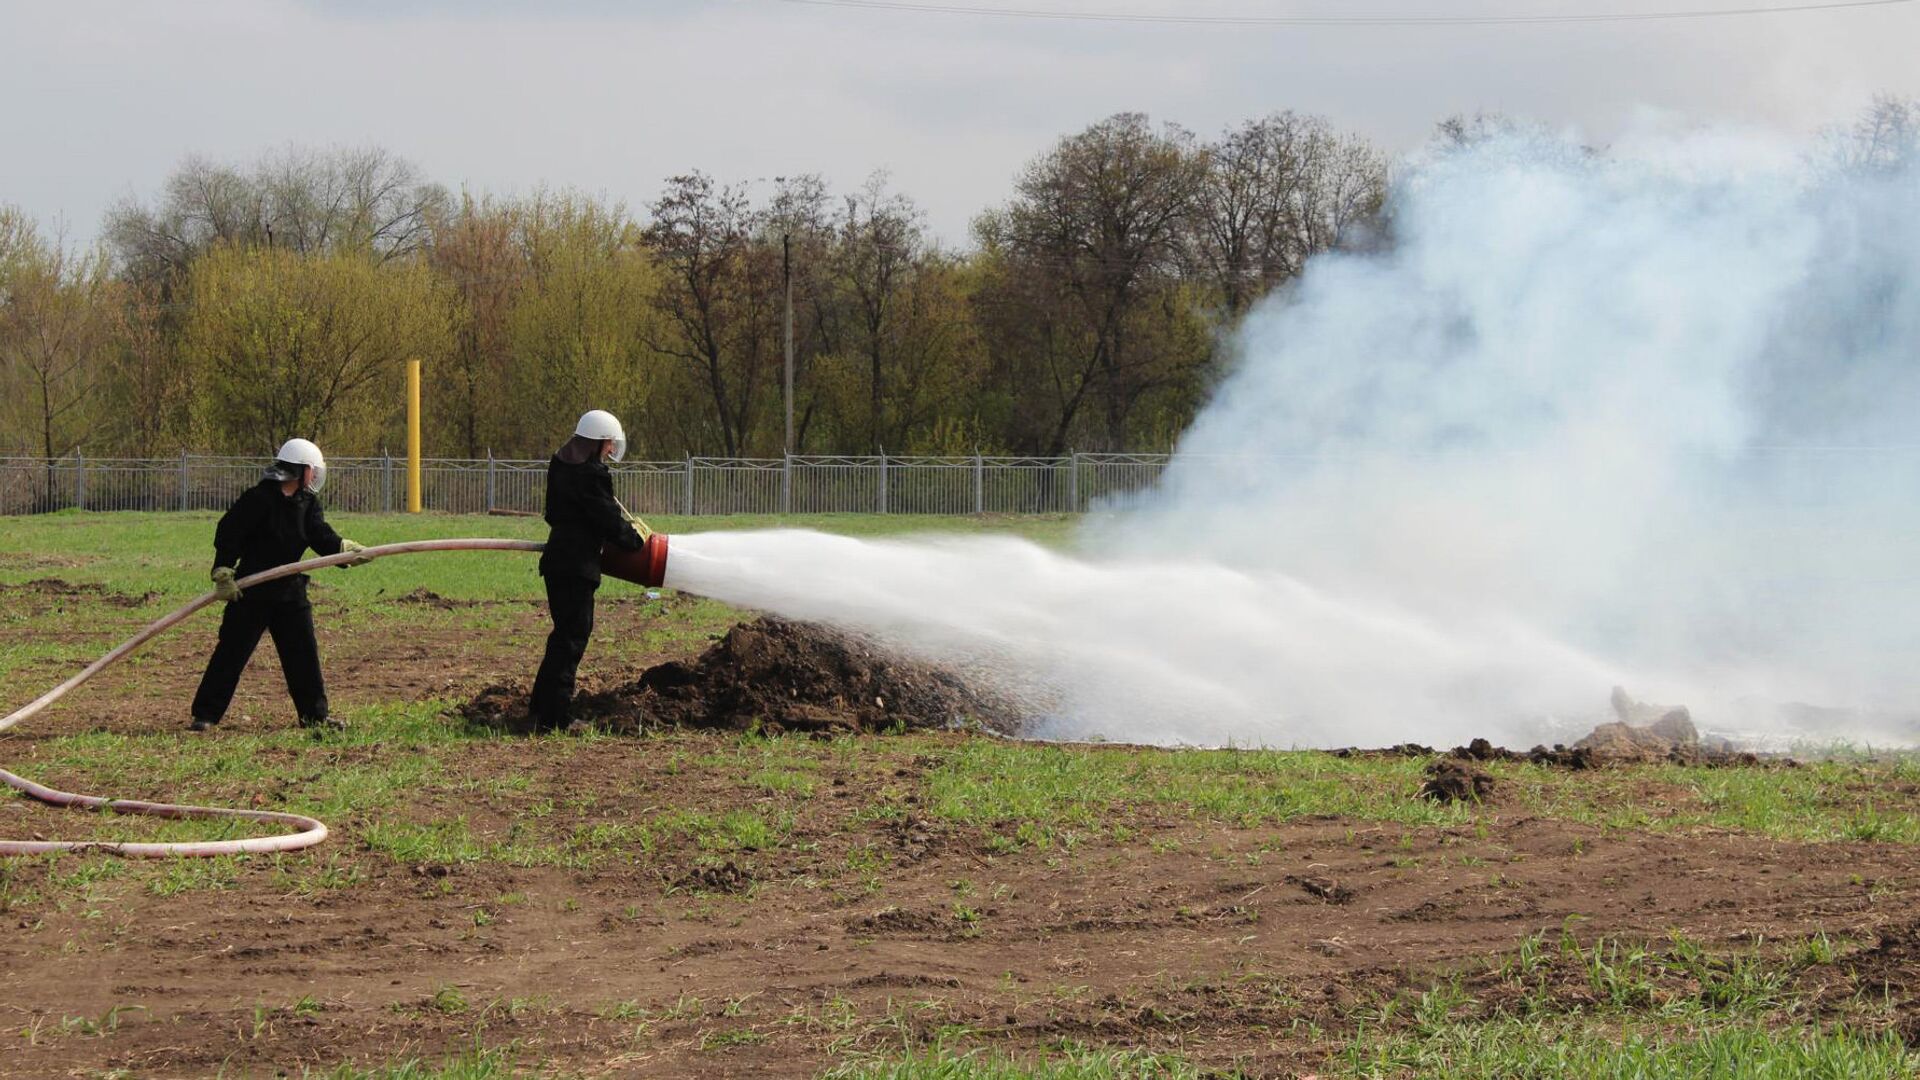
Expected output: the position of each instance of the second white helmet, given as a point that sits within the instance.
(303, 452)
(601, 424)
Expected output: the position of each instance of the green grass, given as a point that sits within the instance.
(169, 553)
(1514, 1049)
(1818, 801)
(1019, 794)
(477, 1064)
(1631, 1009)
(1073, 1064)
(992, 783)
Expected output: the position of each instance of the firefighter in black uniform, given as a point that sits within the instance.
(273, 523)
(584, 515)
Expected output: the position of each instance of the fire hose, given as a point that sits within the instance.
(311, 831)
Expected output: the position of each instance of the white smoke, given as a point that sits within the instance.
(1584, 420)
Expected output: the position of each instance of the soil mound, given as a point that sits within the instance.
(775, 675)
(428, 598)
(1644, 732)
(51, 591)
(1659, 733)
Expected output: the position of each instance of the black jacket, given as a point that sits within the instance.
(265, 528)
(584, 515)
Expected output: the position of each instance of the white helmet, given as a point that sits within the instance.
(303, 452)
(601, 424)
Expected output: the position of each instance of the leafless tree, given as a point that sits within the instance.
(1884, 140)
(1279, 190)
(348, 200)
(1103, 215)
(881, 242)
(701, 234)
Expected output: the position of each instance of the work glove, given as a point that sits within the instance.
(350, 547)
(224, 586)
(638, 525)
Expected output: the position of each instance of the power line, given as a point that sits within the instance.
(1338, 20)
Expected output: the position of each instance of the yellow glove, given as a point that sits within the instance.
(350, 547)
(638, 525)
(224, 586)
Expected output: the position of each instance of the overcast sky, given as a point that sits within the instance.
(99, 99)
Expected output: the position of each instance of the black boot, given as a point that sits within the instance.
(324, 723)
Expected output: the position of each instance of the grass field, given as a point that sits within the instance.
(918, 905)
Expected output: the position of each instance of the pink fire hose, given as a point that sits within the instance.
(311, 831)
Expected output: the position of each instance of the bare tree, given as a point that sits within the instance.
(1884, 140)
(364, 201)
(1103, 215)
(1279, 190)
(356, 200)
(701, 234)
(881, 244)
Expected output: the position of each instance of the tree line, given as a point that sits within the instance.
(1091, 310)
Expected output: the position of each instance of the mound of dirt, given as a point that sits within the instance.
(56, 589)
(1643, 732)
(775, 675)
(428, 598)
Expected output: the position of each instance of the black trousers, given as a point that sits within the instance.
(285, 614)
(570, 602)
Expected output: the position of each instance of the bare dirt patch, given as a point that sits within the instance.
(1186, 937)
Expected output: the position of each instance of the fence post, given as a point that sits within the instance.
(979, 483)
(1073, 482)
(79, 480)
(186, 481)
(386, 482)
(786, 483)
(688, 508)
(490, 480)
(880, 492)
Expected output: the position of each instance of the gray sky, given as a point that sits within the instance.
(99, 99)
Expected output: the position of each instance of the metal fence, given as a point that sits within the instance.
(793, 485)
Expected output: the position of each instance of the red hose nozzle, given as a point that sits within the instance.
(647, 566)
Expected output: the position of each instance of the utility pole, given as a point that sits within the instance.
(786, 271)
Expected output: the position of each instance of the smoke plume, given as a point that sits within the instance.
(1578, 420)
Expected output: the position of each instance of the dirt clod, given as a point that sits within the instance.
(895, 921)
(1451, 780)
(1324, 888)
(728, 877)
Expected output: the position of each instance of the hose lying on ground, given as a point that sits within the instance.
(312, 831)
